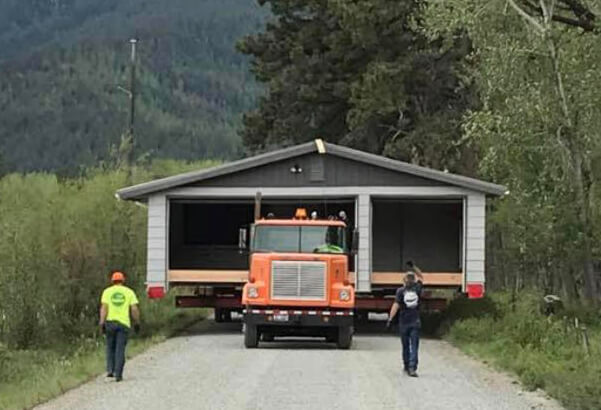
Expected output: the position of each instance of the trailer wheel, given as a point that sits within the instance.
(345, 337)
(226, 315)
(251, 336)
(267, 337)
(219, 315)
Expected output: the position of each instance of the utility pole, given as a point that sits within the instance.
(132, 100)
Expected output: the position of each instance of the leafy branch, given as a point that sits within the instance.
(574, 13)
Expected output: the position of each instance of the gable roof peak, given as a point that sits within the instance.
(315, 146)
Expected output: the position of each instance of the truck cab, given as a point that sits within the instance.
(298, 282)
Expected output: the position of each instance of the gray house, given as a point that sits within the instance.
(402, 212)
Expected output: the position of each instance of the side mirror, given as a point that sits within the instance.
(355, 242)
(243, 239)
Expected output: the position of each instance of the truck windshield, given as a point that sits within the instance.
(303, 239)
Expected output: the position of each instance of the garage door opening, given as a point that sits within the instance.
(203, 233)
(427, 232)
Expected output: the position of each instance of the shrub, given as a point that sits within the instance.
(462, 309)
(59, 241)
(513, 334)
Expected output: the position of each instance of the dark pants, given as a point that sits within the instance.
(116, 340)
(410, 341)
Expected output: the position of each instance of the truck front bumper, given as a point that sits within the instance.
(293, 321)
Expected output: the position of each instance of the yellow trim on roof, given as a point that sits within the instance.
(321, 147)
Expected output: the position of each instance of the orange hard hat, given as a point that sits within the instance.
(301, 213)
(117, 277)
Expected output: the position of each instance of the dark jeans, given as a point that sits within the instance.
(116, 340)
(410, 340)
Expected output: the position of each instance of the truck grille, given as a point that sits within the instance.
(298, 280)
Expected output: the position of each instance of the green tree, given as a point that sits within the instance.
(536, 68)
(59, 241)
(362, 74)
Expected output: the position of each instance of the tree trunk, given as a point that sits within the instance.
(584, 214)
(568, 285)
(591, 291)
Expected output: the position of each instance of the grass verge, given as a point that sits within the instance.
(30, 377)
(545, 353)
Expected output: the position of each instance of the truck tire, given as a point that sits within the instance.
(345, 337)
(267, 337)
(251, 336)
(226, 315)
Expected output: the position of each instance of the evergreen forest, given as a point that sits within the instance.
(62, 63)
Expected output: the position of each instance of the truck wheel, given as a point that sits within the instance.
(267, 337)
(332, 335)
(218, 315)
(251, 337)
(226, 315)
(345, 337)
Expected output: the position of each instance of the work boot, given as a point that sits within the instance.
(118, 379)
(412, 373)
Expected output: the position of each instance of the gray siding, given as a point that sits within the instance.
(476, 231)
(158, 225)
(317, 170)
(364, 216)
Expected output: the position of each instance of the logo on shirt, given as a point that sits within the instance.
(118, 299)
(411, 299)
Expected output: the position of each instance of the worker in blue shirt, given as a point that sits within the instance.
(407, 301)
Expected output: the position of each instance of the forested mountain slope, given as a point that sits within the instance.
(61, 62)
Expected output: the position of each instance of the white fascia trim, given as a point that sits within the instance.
(408, 192)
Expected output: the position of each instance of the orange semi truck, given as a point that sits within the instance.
(298, 282)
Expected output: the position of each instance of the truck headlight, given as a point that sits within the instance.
(344, 295)
(253, 292)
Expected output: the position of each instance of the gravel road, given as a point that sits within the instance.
(208, 368)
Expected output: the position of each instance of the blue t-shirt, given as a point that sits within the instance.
(408, 315)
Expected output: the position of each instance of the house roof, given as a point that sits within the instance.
(143, 190)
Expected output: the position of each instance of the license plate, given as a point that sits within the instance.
(280, 318)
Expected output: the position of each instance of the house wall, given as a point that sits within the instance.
(158, 220)
(364, 261)
(158, 243)
(475, 238)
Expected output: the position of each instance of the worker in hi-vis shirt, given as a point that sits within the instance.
(117, 305)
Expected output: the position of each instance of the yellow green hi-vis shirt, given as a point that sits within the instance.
(119, 299)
